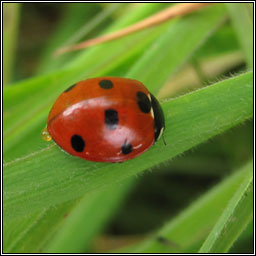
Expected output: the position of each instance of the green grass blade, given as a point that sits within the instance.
(50, 176)
(87, 219)
(51, 227)
(186, 232)
(94, 22)
(105, 52)
(31, 232)
(244, 241)
(72, 28)
(243, 25)
(176, 46)
(11, 13)
(73, 17)
(234, 219)
(87, 59)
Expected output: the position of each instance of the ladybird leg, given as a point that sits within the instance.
(164, 140)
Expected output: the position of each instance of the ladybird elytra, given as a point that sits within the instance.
(106, 119)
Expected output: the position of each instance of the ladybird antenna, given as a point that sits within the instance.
(164, 140)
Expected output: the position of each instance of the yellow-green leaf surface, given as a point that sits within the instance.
(50, 176)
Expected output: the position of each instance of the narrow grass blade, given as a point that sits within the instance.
(11, 13)
(233, 220)
(187, 231)
(87, 219)
(176, 46)
(243, 25)
(87, 60)
(72, 28)
(245, 242)
(28, 234)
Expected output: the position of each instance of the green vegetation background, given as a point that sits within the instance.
(194, 194)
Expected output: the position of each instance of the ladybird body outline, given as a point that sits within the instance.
(106, 119)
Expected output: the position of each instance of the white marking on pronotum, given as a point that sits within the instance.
(151, 110)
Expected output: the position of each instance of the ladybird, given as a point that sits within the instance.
(107, 119)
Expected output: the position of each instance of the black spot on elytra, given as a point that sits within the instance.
(70, 88)
(126, 148)
(106, 84)
(143, 102)
(77, 143)
(111, 119)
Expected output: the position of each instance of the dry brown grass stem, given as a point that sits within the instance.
(160, 17)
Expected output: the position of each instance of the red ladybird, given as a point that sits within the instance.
(107, 119)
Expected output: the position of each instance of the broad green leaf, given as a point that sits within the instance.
(50, 176)
(233, 220)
